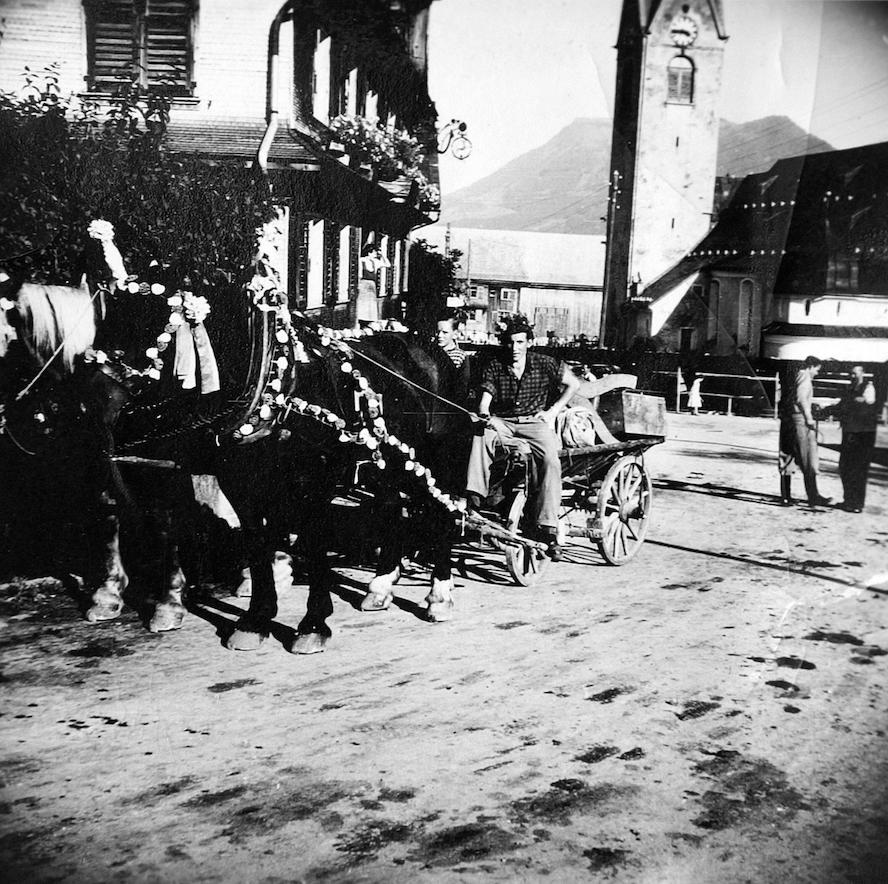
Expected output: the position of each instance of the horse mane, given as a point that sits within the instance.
(59, 316)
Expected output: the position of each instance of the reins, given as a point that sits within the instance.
(419, 387)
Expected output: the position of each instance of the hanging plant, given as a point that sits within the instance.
(389, 151)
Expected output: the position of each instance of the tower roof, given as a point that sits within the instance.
(643, 13)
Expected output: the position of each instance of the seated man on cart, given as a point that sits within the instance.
(522, 393)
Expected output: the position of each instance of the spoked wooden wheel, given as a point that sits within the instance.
(624, 505)
(524, 564)
(575, 519)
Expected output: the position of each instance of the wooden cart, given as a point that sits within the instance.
(606, 492)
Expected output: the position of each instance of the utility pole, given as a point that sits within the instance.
(604, 336)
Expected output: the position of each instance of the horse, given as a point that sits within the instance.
(315, 459)
(276, 482)
(59, 403)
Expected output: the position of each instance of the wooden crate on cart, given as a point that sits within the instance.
(630, 414)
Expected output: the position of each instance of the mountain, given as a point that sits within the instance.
(561, 186)
(745, 148)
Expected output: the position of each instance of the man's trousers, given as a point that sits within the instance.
(854, 462)
(798, 445)
(544, 445)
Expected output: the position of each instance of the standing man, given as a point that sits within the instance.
(516, 392)
(798, 435)
(856, 411)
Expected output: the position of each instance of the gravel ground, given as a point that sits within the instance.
(714, 710)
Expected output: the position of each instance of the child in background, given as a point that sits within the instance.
(695, 400)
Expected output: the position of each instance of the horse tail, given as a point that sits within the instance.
(61, 316)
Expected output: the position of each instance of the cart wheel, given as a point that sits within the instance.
(624, 504)
(524, 564)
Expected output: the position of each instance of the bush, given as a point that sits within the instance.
(63, 164)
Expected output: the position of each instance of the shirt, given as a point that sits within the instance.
(857, 409)
(457, 356)
(518, 398)
(797, 400)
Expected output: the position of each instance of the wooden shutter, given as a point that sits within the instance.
(393, 269)
(148, 38)
(112, 38)
(680, 81)
(299, 258)
(168, 45)
(331, 262)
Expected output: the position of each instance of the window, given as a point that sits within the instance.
(713, 321)
(315, 275)
(321, 79)
(397, 266)
(680, 80)
(346, 237)
(147, 40)
(744, 312)
(509, 296)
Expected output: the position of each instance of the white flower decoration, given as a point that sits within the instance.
(101, 230)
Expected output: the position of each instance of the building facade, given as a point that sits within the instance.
(555, 279)
(261, 82)
(663, 150)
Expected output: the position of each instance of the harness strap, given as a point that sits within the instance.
(419, 387)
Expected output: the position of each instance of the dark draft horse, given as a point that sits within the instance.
(284, 482)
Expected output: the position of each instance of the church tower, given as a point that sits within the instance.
(663, 149)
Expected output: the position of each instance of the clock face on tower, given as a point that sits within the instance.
(683, 31)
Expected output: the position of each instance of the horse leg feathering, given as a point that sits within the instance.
(439, 601)
(107, 599)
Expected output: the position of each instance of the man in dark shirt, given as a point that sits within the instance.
(857, 412)
(515, 394)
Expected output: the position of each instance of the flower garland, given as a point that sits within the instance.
(186, 307)
(290, 347)
(374, 436)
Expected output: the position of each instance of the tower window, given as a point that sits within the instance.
(680, 80)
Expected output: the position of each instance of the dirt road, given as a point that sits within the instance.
(713, 711)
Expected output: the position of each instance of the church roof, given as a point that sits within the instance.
(784, 224)
(643, 13)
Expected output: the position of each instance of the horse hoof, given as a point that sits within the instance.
(166, 618)
(440, 612)
(244, 640)
(105, 606)
(98, 613)
(374, 602)
(309, 643)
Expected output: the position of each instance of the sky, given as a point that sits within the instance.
(519, 71)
